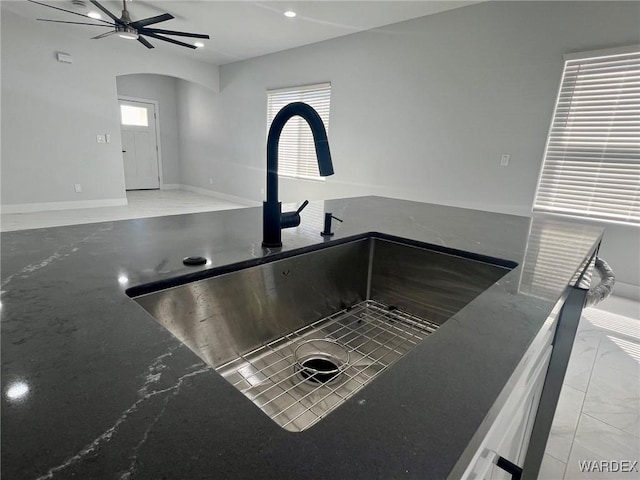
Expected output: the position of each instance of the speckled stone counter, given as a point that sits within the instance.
(93, 387)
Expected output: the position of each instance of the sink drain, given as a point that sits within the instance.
(318, 370)
(320, 361)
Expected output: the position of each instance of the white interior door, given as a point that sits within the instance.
(139, 145)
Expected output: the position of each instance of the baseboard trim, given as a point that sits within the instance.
(221, 196)
(171, 186)
(46, 206)
(626, 290)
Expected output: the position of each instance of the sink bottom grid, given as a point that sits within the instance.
(374, 335)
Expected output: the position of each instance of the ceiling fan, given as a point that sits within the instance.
(127, 28)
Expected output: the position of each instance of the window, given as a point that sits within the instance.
(131, 115)
(591, 166)
(297, 154)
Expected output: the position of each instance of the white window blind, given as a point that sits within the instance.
(296, 152)
(591, 165)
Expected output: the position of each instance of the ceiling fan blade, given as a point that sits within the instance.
(144, 42)
(173, 32)
(107, 12)
(170, 40)
(67, 11)
(148, 21)
(77, 23)
(106, 34)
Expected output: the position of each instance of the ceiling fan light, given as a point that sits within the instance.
(128, 33)
(128, 36)
(290, 13)
(124, 27)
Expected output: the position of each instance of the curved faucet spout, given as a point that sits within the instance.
(323, 155)
(272, 215)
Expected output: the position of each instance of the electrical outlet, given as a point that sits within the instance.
(262, 191)
(78, 188)
(504, 159)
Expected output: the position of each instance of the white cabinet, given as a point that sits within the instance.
(507, 428)
(516, 438)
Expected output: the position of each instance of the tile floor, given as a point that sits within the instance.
(142, 204)
(598, 414)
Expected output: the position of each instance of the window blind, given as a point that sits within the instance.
(296, 151)
(591, 165)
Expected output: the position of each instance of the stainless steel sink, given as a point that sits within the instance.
(300, 332)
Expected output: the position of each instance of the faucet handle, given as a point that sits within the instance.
(304, 204)
(292, 219)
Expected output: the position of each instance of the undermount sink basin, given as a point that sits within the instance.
(300, 332)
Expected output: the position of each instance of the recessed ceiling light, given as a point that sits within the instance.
(290, 13)
(95, 15)
(198, 44)
(17, 390)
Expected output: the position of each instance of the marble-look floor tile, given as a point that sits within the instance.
(611, 324)
(597, 441)
(613, 397)
(589, 332)
(551, 468)
(621, 306)
(565, 422)
(610, 339)
(583, 355)
(620, 353)
(141, 204)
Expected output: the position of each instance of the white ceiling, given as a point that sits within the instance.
(244, 29)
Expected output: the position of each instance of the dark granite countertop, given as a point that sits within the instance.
(109, 393)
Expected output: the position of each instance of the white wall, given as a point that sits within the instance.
(621, 249)
(206, 154)
(51, 111)
(423, 109)
(163, 90)
(197, 130)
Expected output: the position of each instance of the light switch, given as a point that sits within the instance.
(107, 137)
(64, 57)
(101, 138)
(504, 159)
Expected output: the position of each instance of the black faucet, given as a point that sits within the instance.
(273, 220)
